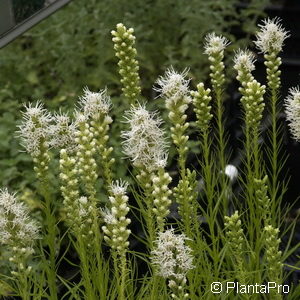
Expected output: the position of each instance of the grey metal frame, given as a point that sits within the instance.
(10, 35)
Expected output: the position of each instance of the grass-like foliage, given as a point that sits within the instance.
(199, 239)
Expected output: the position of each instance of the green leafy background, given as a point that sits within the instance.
(73, 49)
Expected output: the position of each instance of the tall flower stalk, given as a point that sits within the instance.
(270, 40)
(214, 47)
(87, 170)
(35, 136)
(95, 107)
(144, 143)
(117, 233)
(203, 109)
(174, 88)
(253, 106)
(78, 216)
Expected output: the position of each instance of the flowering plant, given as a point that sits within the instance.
(182, 257)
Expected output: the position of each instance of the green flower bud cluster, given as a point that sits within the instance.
(19, 258)
(116, 222)
(234, 233)
(41, 161)
(273, 255)
(217, 70)
(261, 193)
(202, 107)
(186, 197)
(273, 62)
(85, 215)
(78, 211)
(161, 194)
(144, 178)
(100, 129)
(214, 48)
(253, 103)
(69, 182)
(87, 167)
(124, 41)
(178, 119)
(178, 289)
(236, 241)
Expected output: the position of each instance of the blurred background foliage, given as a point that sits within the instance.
(73, 49)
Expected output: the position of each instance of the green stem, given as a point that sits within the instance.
(120, 273)
(51, 239)
(123, 277)
(209, 192)
(221, 146)
(147, 208)
(89, 291)
(155, 287)
(97, 250)
(23, 287)
(150, 220)
(275, 146)
(249, 182)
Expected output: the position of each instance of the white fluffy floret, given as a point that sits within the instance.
(119, 187)
(215, 44)
(79, 117)
(62, 132)
(35, 127)
(244, 60)
(144, 143)
(271, 36)
(94, 104)
(108, 217)
(292, 110)
(171, 256)
(173, 84)
(16, 227)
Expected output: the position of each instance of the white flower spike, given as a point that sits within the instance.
(171, 256)
(215, 43)
(93, 104)
(292, 110)
(145, 142)
(62, 132)
(271, 36)
(173, 84)
(244, 59)
(16, 227)
(35, 128)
